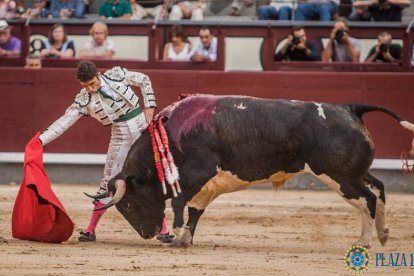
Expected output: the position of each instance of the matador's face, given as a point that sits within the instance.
(92, 85)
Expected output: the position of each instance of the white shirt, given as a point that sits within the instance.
(106, 88)
(412, 57)
(107, 45)
(281, 3)
(323, 1)
(181, 56)
(211, 52)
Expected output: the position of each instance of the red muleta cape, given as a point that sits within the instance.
(38, 214)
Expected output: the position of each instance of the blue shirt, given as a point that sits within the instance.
(57, 5)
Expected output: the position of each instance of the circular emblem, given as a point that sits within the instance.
(357, 259)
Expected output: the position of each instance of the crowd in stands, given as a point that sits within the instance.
(298, 10)
(59, 46)
(341, 45)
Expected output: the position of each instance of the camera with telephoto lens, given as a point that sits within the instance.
(295, 40)
(384, 48)
(339, 35)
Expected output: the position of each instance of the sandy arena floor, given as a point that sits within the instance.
(254, 232)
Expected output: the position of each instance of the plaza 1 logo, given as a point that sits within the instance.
(357, 259)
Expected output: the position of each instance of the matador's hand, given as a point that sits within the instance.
(149, 113)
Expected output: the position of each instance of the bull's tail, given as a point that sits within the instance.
(361, 109)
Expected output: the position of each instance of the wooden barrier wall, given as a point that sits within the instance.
(31, 100)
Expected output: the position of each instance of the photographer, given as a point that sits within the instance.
(298, 48)
(385, 51)
(380, 10)
(341, 46)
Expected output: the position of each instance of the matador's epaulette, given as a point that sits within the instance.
(83, 98)
(117, 73)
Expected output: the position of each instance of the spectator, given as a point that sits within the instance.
(205, 49)
(115, 9)
(10, 46)
(100, 46)
(341, 46)
(38, 11)
(33, 62)
(298, 47)
(236, 6)
(385, 50)
(277, 10)
(412, 57)
(379, 10)
(79, 8)
(324, 10)
(67, 8)
(7, 8)
(58, 45)
(359, 13)
(148, 8)
(179, 47)
(193, 10)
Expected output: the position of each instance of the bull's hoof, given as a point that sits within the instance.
(384, 236)
(184, 238)
(367, 245)
(179, 243)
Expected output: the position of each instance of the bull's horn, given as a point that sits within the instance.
(120, 187)
(98, 196)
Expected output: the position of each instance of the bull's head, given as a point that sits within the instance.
(142, 204)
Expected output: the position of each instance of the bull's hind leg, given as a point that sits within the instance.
(362, 198)
(365, 201)
(378, 188)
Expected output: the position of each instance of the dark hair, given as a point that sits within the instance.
(205, 28)
(86, 70)
(343, 20)
(177, 31)
(54, 27)
(295, 29)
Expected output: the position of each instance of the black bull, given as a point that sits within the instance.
(229, 143)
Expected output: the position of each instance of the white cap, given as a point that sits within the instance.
(3, 25)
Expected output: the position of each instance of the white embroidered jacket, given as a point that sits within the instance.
(104, 109)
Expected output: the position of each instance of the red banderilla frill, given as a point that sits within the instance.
(157, 160)
(170, 158)
(164, 161)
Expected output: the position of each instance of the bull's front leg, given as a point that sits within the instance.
(194, 174)
(178, 205)
(185, 234)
